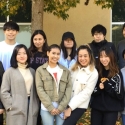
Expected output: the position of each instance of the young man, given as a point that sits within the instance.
(10, 29)
(99, 33)
(120, 48)
(6, 48)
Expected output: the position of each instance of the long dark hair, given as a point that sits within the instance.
(13, 61)
(73, 52)
(33, 48)
(113, 67)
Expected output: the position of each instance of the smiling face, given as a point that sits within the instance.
(104, 59)
(10, 34)
(83, 58)
(21, 56)
(38, 41)
(53, 55)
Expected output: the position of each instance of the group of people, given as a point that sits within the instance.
(44, 85)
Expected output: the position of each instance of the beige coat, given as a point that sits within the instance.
(46, 89)
(14, 96)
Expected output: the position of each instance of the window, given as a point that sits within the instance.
(23, 18)
(118, 19)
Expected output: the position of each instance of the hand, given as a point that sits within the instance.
(67, 113)
(53, 112)
(58, 111)
(104, 79)
(1, 111)
(101, 86)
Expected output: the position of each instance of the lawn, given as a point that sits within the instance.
(85, 119)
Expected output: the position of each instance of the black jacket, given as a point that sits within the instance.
(111, 98)
(97, 46)
(1, 75)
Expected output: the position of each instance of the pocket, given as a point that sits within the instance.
(63, 84)
(17, 105)
(47, 83)
(83, 85)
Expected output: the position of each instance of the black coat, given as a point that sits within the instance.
(95, 47)
(1, 75)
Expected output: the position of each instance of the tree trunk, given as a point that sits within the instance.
(37, 15)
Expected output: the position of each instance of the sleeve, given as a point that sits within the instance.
(97, 91)
(85, 94)
(43, 96)
(5, 93)
(114, 87)
(67, 96)
(114, 51)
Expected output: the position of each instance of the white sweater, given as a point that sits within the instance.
(84, 82)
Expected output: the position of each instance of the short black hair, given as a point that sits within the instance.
(123, 53)
(13, 61)
(123, 26)
(11, 25)
(99, 29)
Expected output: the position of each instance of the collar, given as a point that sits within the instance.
(22, 66)
(101, 43)
(86, 69)
(45, 65)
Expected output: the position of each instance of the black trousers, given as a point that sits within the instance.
(103, 117)
(74, 117)
(39, 118)
(1, 119)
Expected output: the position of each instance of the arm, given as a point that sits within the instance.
(114, 50)
(114, 87)
(85, 94)
(67, 95)
(5, 92)
(43, 96)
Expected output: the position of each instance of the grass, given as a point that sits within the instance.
(84, 120)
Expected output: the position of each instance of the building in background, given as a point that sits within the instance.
(81, 20)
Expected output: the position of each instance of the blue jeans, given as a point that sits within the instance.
(123, 119)
(48, 119)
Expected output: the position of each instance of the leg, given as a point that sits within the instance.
(110, 118)
(123, 119)
(59, 120)
(74, 117)
(96, 117)
(1, 119)
(39, 118)
(47, 118)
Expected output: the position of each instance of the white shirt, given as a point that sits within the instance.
(6, 51)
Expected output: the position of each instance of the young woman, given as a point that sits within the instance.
(53, 87)
(38, 48)
(108, 95)
(68, 50)
(18, 91)
(84, 77)
(38, 54)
